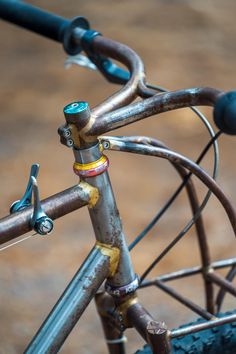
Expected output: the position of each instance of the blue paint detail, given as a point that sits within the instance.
(26, 200)
(76, 107)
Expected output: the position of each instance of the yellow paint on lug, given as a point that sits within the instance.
(123, 308)
(91, 165)
(112, 252)
(101, 148)
(132, 300)
(92, 191)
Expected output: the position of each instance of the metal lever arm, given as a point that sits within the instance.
(41, 223)
(26, 200)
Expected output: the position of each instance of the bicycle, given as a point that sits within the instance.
(155, 334)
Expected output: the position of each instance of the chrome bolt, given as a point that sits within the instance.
(44, 226)
(69, 142)
(106, 145)
(66, 133)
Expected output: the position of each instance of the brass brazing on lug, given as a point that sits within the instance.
(113, 313)
(112, 252)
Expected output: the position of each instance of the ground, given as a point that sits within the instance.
(183, 43)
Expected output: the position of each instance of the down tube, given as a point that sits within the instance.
(71, 304)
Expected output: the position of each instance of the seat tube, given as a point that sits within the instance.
(91, 165)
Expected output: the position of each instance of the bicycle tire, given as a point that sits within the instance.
(216, 340)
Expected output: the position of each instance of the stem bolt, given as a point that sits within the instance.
(106, 145)
(69, 142)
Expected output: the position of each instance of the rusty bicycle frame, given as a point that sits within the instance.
(109, 260)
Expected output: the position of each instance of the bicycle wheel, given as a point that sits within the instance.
(216, 340)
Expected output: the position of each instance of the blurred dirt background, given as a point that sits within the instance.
(183, 44)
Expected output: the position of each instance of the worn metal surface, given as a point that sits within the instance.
(154, 105)
(157, 337)
(123, 96)
(153, 332)
(188, 272)
(106, 308)
(172, 58)
(55, 206)
(200, 327)
(108, 229)
(222, 292)
(132, 61)
(183, 300)
(189, 165)
(194, 204)
(71, 305)
(113, 253)
(105, 217)
(222, 282)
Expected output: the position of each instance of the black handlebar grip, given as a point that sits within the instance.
(44, 23)
(225, 113)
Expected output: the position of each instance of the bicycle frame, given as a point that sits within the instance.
(109, 259)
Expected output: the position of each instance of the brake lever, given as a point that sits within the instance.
(112, 72)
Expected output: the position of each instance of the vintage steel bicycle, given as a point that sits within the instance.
(107, 273)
